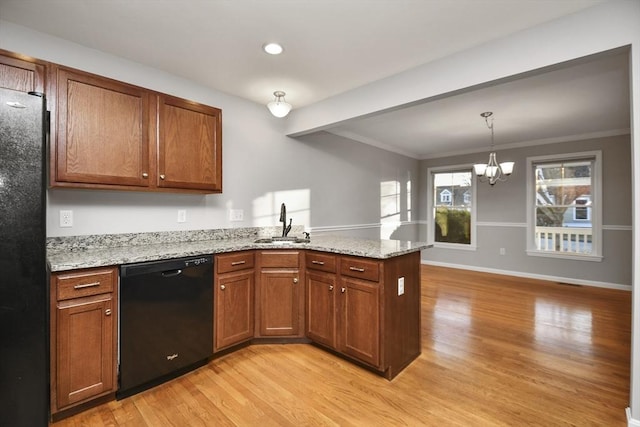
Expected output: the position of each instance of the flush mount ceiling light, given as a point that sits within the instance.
(492, 172)
(279, 107)
(272, 48)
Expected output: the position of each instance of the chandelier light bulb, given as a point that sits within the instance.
(279, 107)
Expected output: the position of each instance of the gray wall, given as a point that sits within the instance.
(501, 214)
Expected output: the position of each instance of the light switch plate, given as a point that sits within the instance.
(182, 215)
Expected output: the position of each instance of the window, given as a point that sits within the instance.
(451, 214)
(564, 205)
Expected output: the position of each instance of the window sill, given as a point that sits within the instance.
(457, 246)
(565, 255)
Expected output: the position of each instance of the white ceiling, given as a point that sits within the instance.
(586, 98)
(332, 46)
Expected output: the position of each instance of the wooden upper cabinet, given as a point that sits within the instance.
(102, 131)
(113, 135)
(21, 74)
(189, 145)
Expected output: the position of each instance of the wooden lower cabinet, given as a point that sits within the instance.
(279, 303)
(353, 307)
(83, 336)
(233, 299)
(320, 306)
(360, 326)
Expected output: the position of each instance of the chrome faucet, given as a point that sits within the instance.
(283, 219)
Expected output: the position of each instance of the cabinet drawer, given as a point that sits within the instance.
(279, 259)
(234, 262)
(360, 268)
(82, 283)
(320, 261)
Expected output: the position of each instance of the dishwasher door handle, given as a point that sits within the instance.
(171, 273)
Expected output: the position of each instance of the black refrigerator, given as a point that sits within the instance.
(24, 358)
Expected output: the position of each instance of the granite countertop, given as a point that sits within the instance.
(97, 251)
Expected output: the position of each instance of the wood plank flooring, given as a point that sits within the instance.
(496, 351)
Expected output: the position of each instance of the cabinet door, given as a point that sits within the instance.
(234, 309)
(85, 349)
(189, 145)
(279, 303)
(320, 318)
(360, 321)
(25, 76)
(102, 131)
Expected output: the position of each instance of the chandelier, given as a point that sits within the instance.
(492, 171)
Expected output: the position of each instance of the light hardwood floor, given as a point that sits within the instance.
(496, 351)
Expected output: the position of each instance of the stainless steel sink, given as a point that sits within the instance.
(282, 240)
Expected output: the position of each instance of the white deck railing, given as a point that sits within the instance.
(563, 239)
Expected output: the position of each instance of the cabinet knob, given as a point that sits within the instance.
(145, 175)
(330, 287)
(343, 290)
(107, 312)
(222, 287)
(162, 176)
(295, 280)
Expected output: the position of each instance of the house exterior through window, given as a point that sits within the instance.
(445, 197)
(564, 205)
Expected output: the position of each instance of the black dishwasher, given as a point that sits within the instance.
(166, 320)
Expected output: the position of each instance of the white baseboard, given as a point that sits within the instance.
(630, 421)
(532, 276)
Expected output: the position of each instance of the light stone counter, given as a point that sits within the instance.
(71, 253)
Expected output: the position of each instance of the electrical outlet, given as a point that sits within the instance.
(236, 215)
(503, 251)
(66, 219)
(182, 215)
(400, 286)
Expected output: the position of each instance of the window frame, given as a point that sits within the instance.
(431, 207)
(596, 204)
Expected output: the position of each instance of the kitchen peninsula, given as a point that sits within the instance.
(359, 299)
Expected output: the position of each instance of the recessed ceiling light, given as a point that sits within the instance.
(272, 48)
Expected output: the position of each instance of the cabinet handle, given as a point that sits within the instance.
(87, 285)
(107, 312)
(223, 287)
(295, 280)
(343, 290)
(162, 176)
(360, 270)
(317, 262)
(238, 263)
(145, 175)
(330, 287)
